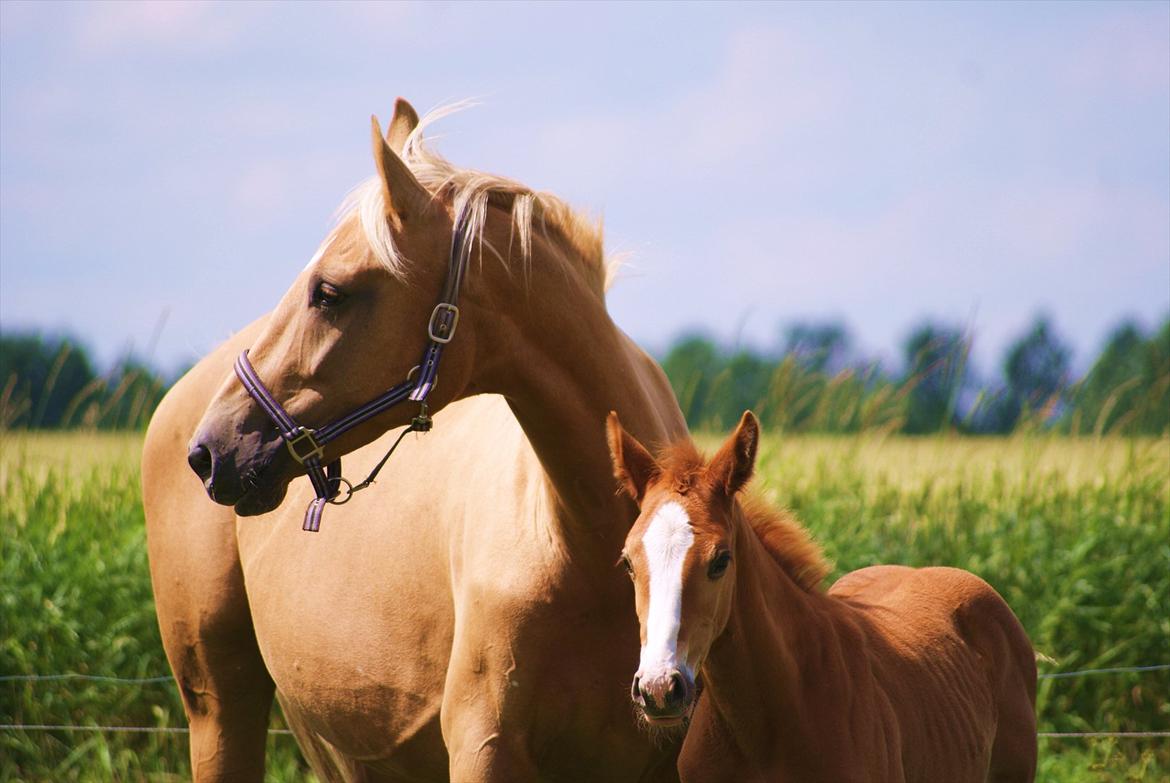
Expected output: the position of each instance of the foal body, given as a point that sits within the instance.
(894, 674)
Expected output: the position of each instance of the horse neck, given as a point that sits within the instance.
(565, 366)
(775, 632)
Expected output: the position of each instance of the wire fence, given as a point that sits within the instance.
(84, 677)
(1112, 670)
(109, 729)
(168, 678)
(179, 730)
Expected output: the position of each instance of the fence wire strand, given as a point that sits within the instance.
(110, 729)
(84, 677)
(179, 730)
(167, 678)
(1112, 670)
(1090, 734)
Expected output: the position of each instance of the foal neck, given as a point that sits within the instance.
(777, 636)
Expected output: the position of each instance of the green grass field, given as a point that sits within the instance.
(1074, 533)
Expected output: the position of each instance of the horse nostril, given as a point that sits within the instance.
(199, 458)
(636, 691)
(678, 690)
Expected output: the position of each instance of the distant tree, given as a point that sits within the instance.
(40, 378)
(1036, 369)
(1110, 390)
(691, 365)
(1154, 418)
(1128, 388)
(741, 385)
(936, 361)
(994, 411)
(818, 347)
(129, 395)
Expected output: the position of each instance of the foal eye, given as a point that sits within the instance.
(326, 295)
(626, 564)
(719, 565)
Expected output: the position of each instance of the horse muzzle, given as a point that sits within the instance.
(665, 698)
(244, 476)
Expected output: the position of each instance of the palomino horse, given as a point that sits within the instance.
(461, 618)
(895, 674)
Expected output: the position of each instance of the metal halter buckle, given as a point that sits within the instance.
(440, 308)
(304, 435)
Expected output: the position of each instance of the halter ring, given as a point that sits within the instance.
(348, 491)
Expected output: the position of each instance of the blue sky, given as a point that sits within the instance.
(881, 164)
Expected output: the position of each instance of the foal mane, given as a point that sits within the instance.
(472, 192)
(683, 467)
(787, 541)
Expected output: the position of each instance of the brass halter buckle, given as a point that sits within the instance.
(305, 435)
(435, 325)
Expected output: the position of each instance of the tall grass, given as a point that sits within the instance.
(75, 596)
(1075, 533)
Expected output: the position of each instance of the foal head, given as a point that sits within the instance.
(352, 324)
(679, 555)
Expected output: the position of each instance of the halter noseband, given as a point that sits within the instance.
(307, 445)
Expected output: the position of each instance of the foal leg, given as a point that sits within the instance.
(1013, 753)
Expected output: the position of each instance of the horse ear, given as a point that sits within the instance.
(633, 466)
(403, 195)
(404, 121)
(732, 466)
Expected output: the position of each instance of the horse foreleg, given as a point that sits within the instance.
(208, 637)
(481, 750)
(205, 622)
(480, 747)
(227, 695)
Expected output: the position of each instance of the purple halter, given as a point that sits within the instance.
(307, 445)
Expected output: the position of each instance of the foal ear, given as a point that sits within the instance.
(633, 466)
(403, 195)
(404, 121)
(733, 465)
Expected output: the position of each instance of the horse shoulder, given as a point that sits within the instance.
(191, 541)
(200, 600)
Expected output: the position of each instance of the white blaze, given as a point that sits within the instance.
(667, 540)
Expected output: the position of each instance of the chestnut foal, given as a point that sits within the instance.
(894, 674)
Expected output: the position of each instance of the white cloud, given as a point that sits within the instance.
(175, 26)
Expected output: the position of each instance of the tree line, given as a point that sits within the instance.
(815, 382)
(52, 383)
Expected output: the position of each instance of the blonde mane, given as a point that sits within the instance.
(472, 193)
(782, 536)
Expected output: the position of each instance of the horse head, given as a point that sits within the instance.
(679, 554)
(353, 324)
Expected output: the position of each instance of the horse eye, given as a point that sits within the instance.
(326, 295)
(719, 565)
(626, 564)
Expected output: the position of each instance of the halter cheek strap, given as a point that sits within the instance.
(307, 445)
